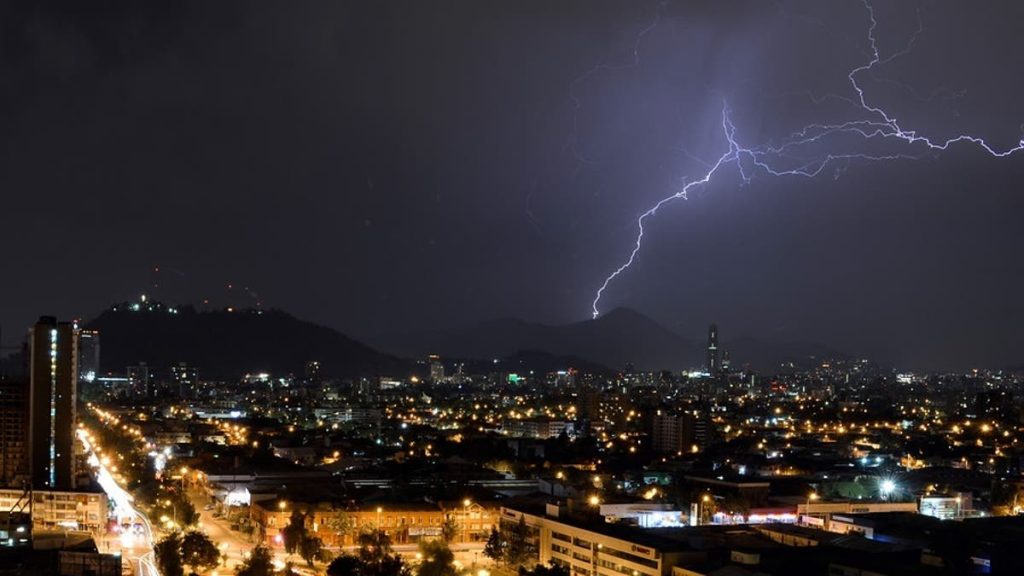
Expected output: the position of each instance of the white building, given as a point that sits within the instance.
(51, 509)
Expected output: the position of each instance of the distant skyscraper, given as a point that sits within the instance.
(13, 430)
(53, 383)
(679, 433)
(436, 368)
(88, 355)
(313, 371)
(713, 363)
(139, 383)
(185, 380)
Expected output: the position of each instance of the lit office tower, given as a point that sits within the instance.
(53, 380)
(88, 355)
(186, 380)
(436, 368)
(713, 364)
(139, 383)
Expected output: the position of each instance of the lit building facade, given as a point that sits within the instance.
(53, 384)
(60, 509)
(594, 550)
(88, 355)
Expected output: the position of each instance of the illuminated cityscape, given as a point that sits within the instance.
(453, 288)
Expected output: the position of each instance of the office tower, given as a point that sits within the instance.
(713, 366)
(13, 430)
(185, 380)
(666, 436)
(436, 368)
(53, 382)
(88, 355)
(139, 384)
(313, 370)
(726, 361)
(679, 433)
(994, 404)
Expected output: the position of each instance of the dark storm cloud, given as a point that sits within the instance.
(389, 166)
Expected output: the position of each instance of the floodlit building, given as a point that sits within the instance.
(60, 509)
(53, 383)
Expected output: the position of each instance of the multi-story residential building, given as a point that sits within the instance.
(62, 510)
(14, 466)
(339, 524)
(537, 428)
(594, 547)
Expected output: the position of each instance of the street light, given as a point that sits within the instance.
(465, 520)
(701, 508)
(379, 510)
(886, 487)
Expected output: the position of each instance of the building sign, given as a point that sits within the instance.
(641, 550)
(425, 531)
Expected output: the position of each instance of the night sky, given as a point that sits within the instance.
(396, 166)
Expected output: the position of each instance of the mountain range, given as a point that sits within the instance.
(620, 337)
(226, 343)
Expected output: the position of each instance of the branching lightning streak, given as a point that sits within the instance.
(880, 124)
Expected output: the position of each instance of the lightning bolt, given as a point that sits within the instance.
(879, 124)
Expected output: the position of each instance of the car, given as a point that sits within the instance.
(209, 507)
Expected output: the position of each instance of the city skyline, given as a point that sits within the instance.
(511, 288)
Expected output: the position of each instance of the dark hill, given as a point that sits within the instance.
(612, 340)
(227, 344)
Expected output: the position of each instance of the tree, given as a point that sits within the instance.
(540, 570)
(259, 563)
(174, 505)
(374, 546)
(518, 549)
(295, 532)
(198, 551)
(449, 529)
(736, 504)
(437, 559)
(377, 558)
(495, 546)
(311, 549)
(341, 523)
(187, 515)
(345, 565)
(168, 555)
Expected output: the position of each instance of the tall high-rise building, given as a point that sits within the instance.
(713, 363)
(53, 383)
(679, 433)
(139, 383)
(13, 430)
(313, 369)
(436, 368)
(185, 379)
(88, 355)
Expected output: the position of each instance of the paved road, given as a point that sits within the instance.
(233, 545)
(136, 549)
